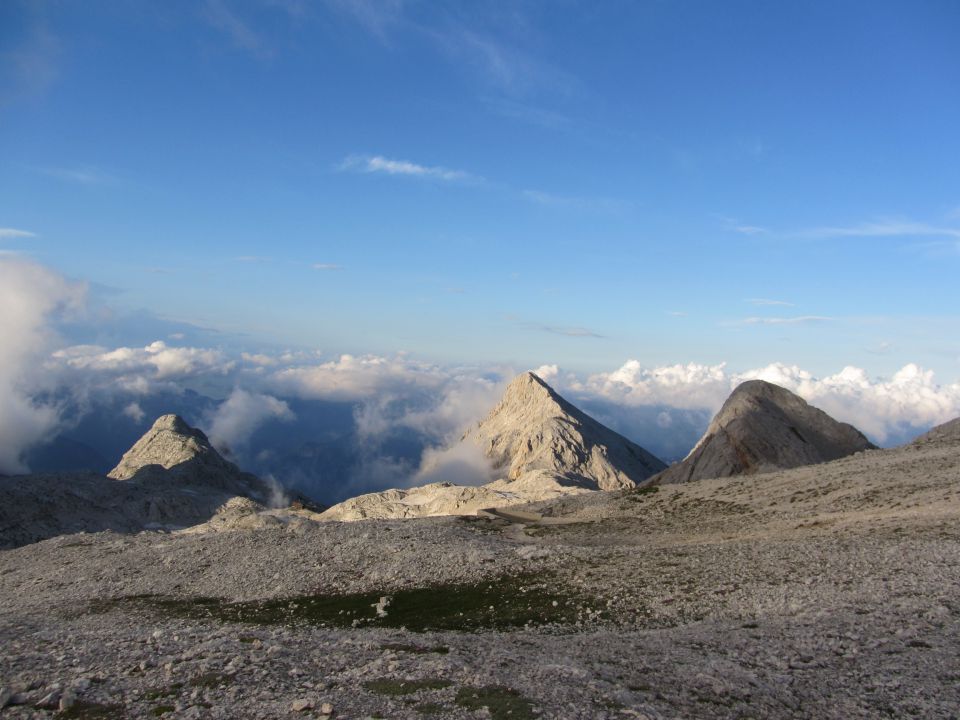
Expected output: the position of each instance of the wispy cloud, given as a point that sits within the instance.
(575, 332)
(221, 17)
(31, 67)
(386, 166)
(529, 114)
(251, 259)
(82, 175)
(574, 202)
(766, 302)
(326, 266)
(735, 225)
(750, 229)
(676, 313)
(883, 228)
(798, 320)
(376, 16)
(11, 233)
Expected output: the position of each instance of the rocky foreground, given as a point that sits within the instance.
(830, 591)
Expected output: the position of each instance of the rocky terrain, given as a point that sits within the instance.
(826, 591)
(539, 445)
(761, 428)
(171, 478)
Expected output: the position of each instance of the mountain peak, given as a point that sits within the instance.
(763, 427)
(173, 423)
(534, 428)
(168, 443)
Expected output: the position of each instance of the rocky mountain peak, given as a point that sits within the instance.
(763, 427)
(169, 443)
(533, 428)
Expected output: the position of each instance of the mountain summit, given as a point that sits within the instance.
(533, 428)
(763, 427)
(541, 446)
(169, 443)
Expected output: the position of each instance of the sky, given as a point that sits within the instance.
(509, 184)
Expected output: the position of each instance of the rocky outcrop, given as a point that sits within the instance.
(171, 478)
(541, 446)
(761, 428)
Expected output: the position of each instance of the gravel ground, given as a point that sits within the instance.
(824, 592)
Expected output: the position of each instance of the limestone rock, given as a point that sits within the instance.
(761, 428)
(533, 428)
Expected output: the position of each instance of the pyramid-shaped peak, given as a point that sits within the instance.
(174, 423)
(528, 382)
(763, 427)
(533, 428)
(169, 442)
(527, 389)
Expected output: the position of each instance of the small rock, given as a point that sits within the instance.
(326, 709)
(50, 700)
(5, 696)
(301, 705)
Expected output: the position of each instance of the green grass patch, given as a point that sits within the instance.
(501, 603)
(405, 687)
(503, 703)
(415, 649)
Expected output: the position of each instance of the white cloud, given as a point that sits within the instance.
(884, 408)
(884, 228)
(750, 229)
(142, 370)
(799, 320)
(326, 266)
(461, 463)
(259, 359)
(547, 373)
(765, 302)
(386, 166)
(10, 233)
(30, 296)
(237, 417)
(134, 412)
(82, 176)
(572, 202)
(353, 378)
(220, 16)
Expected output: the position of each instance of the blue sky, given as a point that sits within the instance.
(529, 182)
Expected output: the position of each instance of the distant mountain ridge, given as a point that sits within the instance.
(761, 428)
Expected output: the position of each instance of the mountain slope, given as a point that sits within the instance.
(761, 428)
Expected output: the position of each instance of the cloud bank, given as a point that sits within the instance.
(30, 295)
